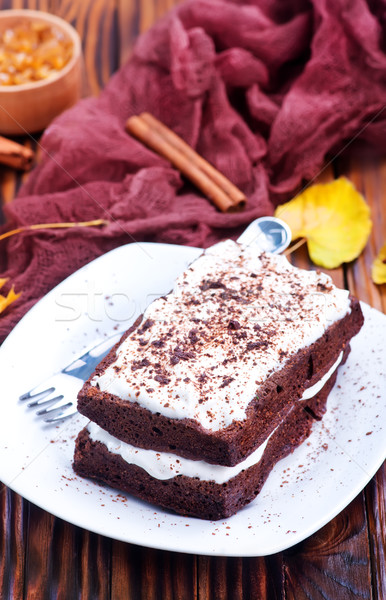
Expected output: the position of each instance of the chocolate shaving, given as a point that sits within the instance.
(230, 294)
(140, 364)
(193, 336)
(192, 302)
(228, 360)
(162, 379)
(257, 345)
(322, 287)
(147, 324)
(226, 381)
(158, 343)
(183, 355)
(179, 354)
(241, 335)
(211, 285)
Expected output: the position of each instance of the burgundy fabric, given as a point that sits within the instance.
(263, 89)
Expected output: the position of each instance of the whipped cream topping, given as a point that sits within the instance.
(310, 392)
(234, 317)
(164, 465)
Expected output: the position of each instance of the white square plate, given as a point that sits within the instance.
(303, 492)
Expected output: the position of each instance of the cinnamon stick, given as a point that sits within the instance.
(15, 155)
(149, 130)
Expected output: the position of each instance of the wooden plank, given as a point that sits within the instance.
(149, 574)
(332, 563)
(94, 565)
(147, 15)
(107, 55)
(184, 585)
(136, 17)
(38, 571)
(159, 575)
(370, 179)
(92, 41)
(125, 578)
(7, 184)
(212, 575)
(128, 25)
(63, 581)
(319, 567)
(12, 544)
(376, 510)
(63, 561)
(153, 10)
(51, 557)
(264, 577)
(238, 578)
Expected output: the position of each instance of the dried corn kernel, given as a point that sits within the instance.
(32, 51)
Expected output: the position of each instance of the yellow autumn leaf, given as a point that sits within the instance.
(378, 269)
(333, 217)
(9, 298)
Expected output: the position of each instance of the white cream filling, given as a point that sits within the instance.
(314, 389)
(285, 302)
(164, 465)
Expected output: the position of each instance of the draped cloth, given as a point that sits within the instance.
(265, 90)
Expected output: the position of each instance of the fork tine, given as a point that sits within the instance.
(41, 394)
(42, 402)
(54, 410)
(63, 416)
(69, 380)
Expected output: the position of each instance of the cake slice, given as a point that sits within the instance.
(194, 487)
(218, 372)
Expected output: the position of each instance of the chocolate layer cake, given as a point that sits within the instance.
(213, 374)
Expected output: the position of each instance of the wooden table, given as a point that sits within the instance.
(44, 557)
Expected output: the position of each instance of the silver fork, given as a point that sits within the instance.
(50, 405)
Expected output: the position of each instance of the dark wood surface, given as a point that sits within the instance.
(43, 557)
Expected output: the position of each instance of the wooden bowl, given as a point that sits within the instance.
(30, 107)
